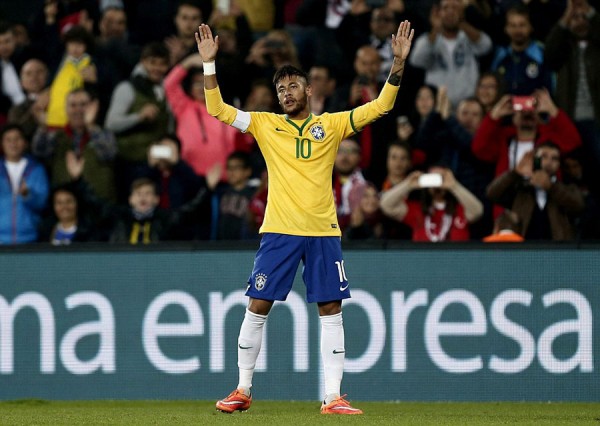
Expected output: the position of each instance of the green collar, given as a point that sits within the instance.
(296, 126)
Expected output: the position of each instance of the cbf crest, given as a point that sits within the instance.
(318, 132)
(260, 280)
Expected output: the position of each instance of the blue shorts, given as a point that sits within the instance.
(277, 261)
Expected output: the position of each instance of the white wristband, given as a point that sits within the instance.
(209, 68)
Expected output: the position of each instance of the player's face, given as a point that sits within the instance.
(293, 93)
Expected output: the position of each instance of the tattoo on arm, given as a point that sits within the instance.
(395, 79)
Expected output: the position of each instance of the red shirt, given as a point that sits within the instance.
(437, 225)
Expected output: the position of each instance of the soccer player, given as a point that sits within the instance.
(300, 220)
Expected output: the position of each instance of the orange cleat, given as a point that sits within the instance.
(235, 401)
(339, 406)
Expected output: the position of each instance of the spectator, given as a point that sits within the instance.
(258, 203)
(323, 84)
(138, 112)
(506, 229)
(532, 190)
(521, 63)
(23, 189)
(67, 224)
(187, 19)
(399, 165)
(76, 70)
(348, 181)
(115, 55)
(450, 50)
(30, 113)
(488, 90)
(232, 220)
(269, 53)
(10, 89)
(235, 40)
(86, 140)
(444, 212)
(573, 50)
(375, 136)
(178, 185)
(407, 126)
(143, 221)
(505, 145)
(204, 141)
(446, 139)
(366, 219)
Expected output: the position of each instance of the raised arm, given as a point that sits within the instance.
(208, 48)
(401, 43)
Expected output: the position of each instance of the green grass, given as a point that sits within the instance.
(263, 413)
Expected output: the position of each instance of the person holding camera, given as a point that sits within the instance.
(533, 119)
(533, 191)
(178, 184)
(443, 213)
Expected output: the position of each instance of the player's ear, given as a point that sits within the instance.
(308, 90)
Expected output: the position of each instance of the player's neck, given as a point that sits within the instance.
(301, 115)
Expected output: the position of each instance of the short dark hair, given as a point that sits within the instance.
(155, 49)
(401, 144)
(78, 33)
(288, 71)
(5, 27)
(144, 181)
(242, 157)
(547, 144)
(518, 9)
(12, 126)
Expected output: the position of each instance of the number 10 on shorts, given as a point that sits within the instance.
(341, 271)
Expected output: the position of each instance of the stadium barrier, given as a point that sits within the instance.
(446, 322)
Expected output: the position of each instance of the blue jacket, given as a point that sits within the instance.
(20, 215)
(523, 72)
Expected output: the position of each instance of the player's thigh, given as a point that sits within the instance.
(275, 266)
(324, 273)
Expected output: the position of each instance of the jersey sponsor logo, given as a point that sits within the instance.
(344, 287)
(337, 351)
(277, 129)
(318, 132)
(334, 225)
(244, 347)
(260, 280)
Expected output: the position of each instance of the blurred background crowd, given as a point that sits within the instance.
(105, 135)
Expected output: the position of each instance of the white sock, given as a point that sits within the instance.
(249, 342)
(333, 354)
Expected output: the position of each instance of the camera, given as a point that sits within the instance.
(430, 180)
(523, 103)
(160, 152)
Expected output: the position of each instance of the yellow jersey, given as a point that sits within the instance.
(300, 155)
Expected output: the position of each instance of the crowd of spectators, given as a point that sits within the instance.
(105, 135)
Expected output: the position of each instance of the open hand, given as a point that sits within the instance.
(207, 45)
(402, 40)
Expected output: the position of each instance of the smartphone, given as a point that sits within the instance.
(537, 163)
(430, 180)
(160, 152)
(523, 103)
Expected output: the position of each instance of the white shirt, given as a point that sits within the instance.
(15, 173)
